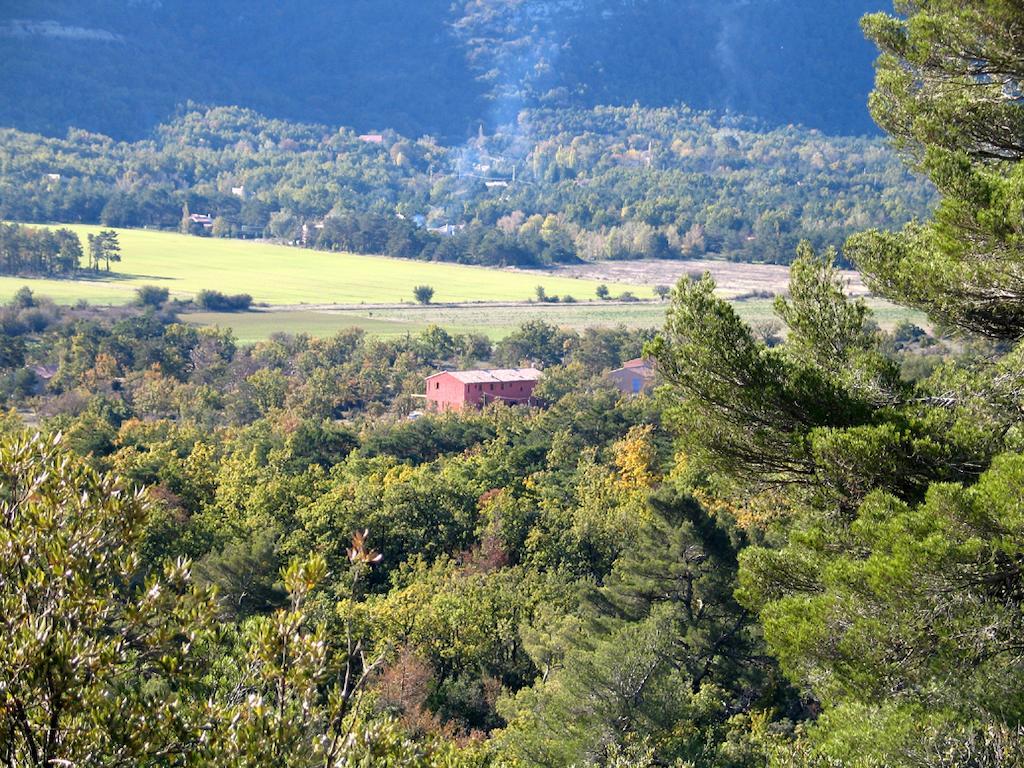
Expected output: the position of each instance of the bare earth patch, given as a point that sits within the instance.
(733, 279)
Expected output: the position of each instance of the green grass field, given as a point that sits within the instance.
(496, 322)
(275, 274)
(278, 275)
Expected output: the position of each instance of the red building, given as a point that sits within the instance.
(456, 390)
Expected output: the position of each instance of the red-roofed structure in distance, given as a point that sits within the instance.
(458, 390)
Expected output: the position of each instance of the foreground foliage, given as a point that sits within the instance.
(885, 511)
(105, 666)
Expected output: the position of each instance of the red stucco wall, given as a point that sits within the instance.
(514, 391)
(445, 393)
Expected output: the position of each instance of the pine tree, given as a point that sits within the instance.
(662, 655)
(96, 245)
(887, 572)
(110, 247)
(949, 91)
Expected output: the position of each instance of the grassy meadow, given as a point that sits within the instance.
(279, 275)
(495, 321)
(285, 279)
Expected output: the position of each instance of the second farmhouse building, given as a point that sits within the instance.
(635, 377)
(458, 390)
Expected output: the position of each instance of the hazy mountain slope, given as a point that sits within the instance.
(372, 63)
(427, 66)
(787, 61)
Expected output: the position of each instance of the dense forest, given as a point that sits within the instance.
(803, 549)
(507, 558)
(556, 186)
(121, 67)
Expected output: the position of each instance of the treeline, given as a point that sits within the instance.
(558, 185)
(38, 252)
(43, 252)
(537, 245)
(140, 361)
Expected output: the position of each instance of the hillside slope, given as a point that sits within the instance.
(428, 66)
(622, 183)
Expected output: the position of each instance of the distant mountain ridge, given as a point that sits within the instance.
(436, 67)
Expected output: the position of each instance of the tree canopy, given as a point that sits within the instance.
(881, 507)
(949, 93)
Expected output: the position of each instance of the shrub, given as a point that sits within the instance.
(423, 293)
(23, 299)
(36, 319)
(906, 331)
(215, 301)
(151, 296)
(755, 294)
(544, 297)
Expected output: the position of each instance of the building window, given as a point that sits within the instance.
(437, 385)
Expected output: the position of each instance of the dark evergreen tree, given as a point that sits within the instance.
(887, 571)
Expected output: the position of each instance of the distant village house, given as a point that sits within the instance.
(308, 231)
(459, 390)
(447, 230)
(202, 219)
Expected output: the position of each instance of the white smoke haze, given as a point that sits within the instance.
(552, 53)
(53, 29)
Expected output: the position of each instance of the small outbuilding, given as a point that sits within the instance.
(203, 220)
(458, 390)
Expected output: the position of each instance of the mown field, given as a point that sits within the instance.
(493, 321)
(496, 322)
(295, 285)
(275, 274)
